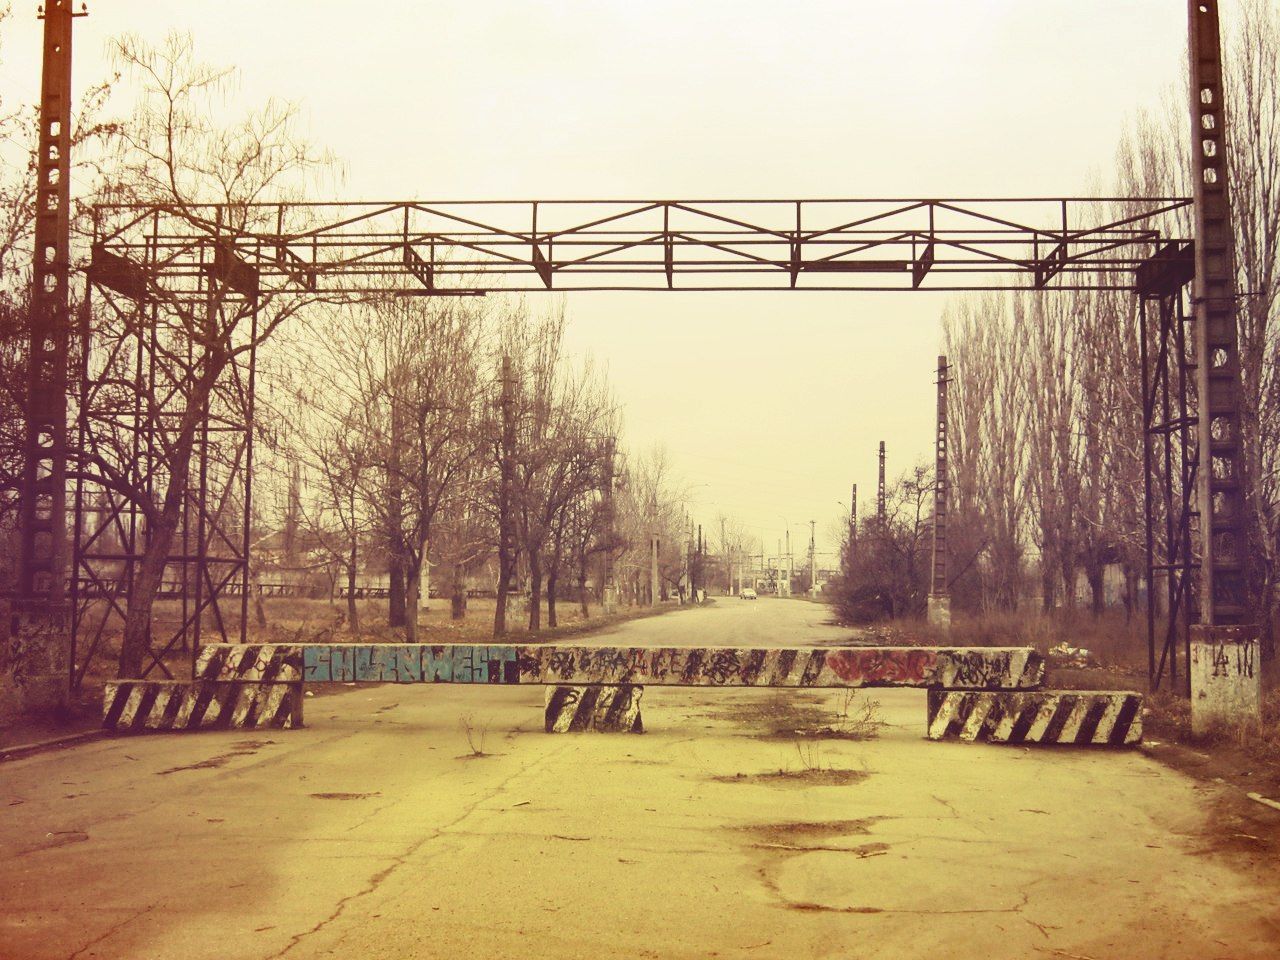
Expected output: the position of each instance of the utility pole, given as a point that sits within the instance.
(610, 586)
(813, 562)
(939, 603)
(40, 649)
(699, 574)
(506, 535)
(791, 565)
(881, 510)
(853, 519)
(778, 589)
(1226, 635)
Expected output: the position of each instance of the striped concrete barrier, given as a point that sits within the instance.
(1041, 716)
(138, 705)
(613, 709)
(962, 668)
(266, 662)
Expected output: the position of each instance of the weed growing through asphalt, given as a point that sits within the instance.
(475, 736)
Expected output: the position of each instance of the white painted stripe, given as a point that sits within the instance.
(977, 716)
(244, 699)
(946, 711)
(1017, 667)
(155, 719)
(131, 706)
(1071, 729)
(183, 719)
(1043, 716)
(1004, 728)
(212, 713)
(1108, 721)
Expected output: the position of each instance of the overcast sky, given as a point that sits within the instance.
(770, 403)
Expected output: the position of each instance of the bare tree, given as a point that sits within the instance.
(170, 154)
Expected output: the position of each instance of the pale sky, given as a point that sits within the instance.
(771, 403)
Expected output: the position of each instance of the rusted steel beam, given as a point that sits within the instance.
(137, 705)
(1090, 717)
(982, 668)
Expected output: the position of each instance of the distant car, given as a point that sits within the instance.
(747, 594)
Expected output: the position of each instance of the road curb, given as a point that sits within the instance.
(41, 746)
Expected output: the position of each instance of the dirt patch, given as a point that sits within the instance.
(793, 715)
(58, 838)
(344, 796)
(794, 831)
(799, 778)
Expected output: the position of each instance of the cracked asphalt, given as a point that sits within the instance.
(442, 822)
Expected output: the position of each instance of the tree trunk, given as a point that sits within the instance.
(353, 617)
(582, 592)
(395, 590)
(458, 598)
(535, 592)
(136, 639)
(552, 579)
(1094, 574)
(413, 582)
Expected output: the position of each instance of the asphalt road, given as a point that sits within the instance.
(380, 832)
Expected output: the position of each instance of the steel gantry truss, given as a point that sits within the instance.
(454, 248)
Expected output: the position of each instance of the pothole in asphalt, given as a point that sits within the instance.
(345, 796)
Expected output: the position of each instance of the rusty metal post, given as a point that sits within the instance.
(939, 593)
(1225, 633)
(40, 641)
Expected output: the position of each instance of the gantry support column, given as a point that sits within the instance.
(939, 593)
(1224, 655)
(39, 655)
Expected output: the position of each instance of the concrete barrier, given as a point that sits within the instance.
(1093, 717)
(139, 705)
(962, 668)
(613, 709)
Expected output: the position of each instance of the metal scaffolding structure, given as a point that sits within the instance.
(1170, 460)
(140, 390)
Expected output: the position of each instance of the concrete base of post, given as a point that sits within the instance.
(44, 695)
(1226, 676)
(939, 611)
